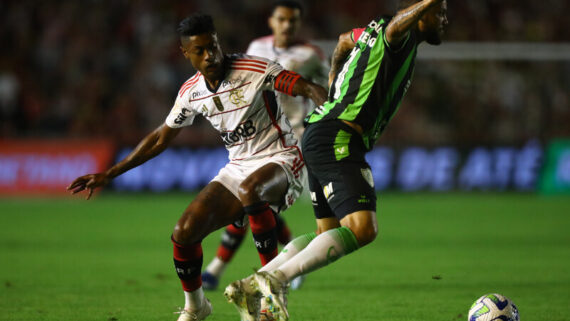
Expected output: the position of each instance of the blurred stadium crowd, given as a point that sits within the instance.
(111, 68)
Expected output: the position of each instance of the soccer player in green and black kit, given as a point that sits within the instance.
(371, 71)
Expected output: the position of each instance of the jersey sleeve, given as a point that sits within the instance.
(274, 76)
(279, 79)
(356, 32)
(272, 70)
(181, 114)
(396, 49)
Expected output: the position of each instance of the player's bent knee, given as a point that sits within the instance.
(363, 224)
(249, 191)
(189, 230)
(365, 235)
(183, 233)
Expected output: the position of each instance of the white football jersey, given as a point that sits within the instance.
(243, 108)
(302, 58)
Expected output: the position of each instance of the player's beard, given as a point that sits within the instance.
(433, 37)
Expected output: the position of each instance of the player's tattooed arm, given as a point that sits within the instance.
(398, 28)
(341, 52)
(153, 144)
(150, 146)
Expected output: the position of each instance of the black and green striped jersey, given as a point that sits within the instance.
(369, 88)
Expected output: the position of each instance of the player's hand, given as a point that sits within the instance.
(89, 182)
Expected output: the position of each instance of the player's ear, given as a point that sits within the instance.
(184, 51)
(271, 21)
(422, 23)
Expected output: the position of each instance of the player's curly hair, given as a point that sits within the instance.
(195, 24)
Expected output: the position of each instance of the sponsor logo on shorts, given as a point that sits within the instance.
(363, 199)
(328, 191)
(314, 197)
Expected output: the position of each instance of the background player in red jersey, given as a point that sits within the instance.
(284, 47)
(236, 94)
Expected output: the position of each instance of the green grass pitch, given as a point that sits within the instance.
(111, 259)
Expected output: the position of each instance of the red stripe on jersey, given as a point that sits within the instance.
(247, 64)
(191, 82)
(191, 79)
(187, 87)
(250, 69)
(280, 132)
(255, 61)
(273, 119)
(229, 111)
(259, 151)
(221, 92)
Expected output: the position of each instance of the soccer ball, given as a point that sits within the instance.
(493, 307)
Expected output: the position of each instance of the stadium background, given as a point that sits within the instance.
(81, 82)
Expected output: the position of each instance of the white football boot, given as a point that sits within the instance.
(267, 310)
(196, 315)
(275, 295)
(245, 297)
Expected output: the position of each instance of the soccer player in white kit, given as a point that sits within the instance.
(283, 47)
(236, 93)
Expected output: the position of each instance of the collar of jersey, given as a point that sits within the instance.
(227, 61)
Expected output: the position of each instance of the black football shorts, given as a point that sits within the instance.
(340, 180)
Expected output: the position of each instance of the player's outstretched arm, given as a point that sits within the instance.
(292, 84)
(153, 144)
(406, 19)
(309, 89)
(341, 51)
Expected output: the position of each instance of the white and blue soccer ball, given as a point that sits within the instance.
(493, 307)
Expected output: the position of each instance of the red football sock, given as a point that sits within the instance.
(262, 222)
(231, 241)
(188, 262)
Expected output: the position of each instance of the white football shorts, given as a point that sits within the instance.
(290, 160)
